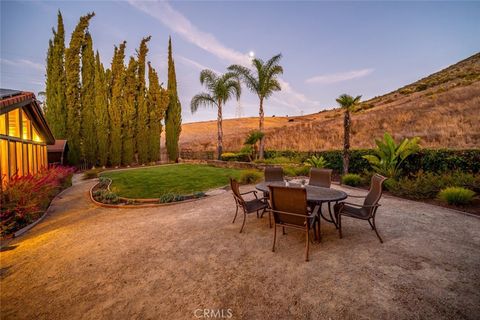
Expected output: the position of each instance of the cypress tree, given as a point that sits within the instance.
(101, 112)
(72, 72)
(117, 79)
(173, 116)
(157, 102)
(88, 134)
(142, 122)
(55, 85)
(128, 114)
(49, 107)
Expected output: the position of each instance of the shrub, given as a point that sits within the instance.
(110, 197)
(103, 182)
(230, 156)
(276, 160)
(316, 162)
(434, 160)
(389, 156)
(426, 185)
(250, 176)
(199, 194)
(179, 197)
(352, 179)
(91, 174)
(456, 195)
(302, 171)
(25, 198)
(166, 198)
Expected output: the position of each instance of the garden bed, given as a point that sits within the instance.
(160, 185)
(25, 199)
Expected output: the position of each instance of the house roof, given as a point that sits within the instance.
(6, 93)
(12, 99)
(59, 146)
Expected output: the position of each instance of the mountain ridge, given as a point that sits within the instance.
(443, 109)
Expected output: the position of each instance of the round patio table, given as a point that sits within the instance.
(317, 195)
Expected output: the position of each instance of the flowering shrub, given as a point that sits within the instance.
(24, 198)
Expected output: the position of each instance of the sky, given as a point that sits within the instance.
(328, 48)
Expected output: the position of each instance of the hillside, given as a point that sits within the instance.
(443, 109)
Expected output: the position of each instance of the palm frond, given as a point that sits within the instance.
(233, 87)
(202, 99)
(346, 101)
(208, 77)
(273, 61)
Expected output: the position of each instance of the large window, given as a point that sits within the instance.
(36, 136)
(30, 158)
(14, 123)
(26, 127)
(12, 158)
(3, 160)
(3, 124)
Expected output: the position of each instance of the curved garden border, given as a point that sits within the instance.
(145, 201)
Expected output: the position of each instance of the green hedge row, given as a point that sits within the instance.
(430, 160)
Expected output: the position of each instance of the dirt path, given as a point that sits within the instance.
(86, 262)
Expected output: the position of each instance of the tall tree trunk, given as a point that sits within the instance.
(346, 141)
(220, 131)
(260, 128)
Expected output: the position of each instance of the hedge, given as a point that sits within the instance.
(430, 160)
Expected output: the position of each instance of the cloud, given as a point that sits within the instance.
(193, 63)
(177, 22)
(24, 63)
(339, 77)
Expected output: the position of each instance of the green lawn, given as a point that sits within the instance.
(181, 179)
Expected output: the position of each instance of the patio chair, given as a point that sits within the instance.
(273, 174)
(320, 177)
(365, 211)
(248, 206)
(290, 210)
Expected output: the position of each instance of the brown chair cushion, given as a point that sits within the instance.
(352, 211)
(320, 177)
(254, 205)
(273, 174)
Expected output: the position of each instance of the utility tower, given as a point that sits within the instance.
(239, 110)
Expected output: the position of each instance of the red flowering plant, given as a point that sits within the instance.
(24, 198)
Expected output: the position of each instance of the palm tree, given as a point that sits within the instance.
(263, 82)
(221, 89)
(348, 103)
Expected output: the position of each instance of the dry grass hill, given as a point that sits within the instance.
(443, 109)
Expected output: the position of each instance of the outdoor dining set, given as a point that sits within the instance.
(299, 205)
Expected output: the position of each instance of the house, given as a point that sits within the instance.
(24, 134)
(57, 153)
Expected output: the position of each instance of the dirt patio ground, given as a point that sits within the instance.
(87, 262)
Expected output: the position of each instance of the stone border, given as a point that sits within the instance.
(147, 205)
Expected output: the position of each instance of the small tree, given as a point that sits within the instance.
(316, 162)
(251, 144)
(389, 156)
(348, 103)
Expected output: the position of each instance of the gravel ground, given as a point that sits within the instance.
(87, 262)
